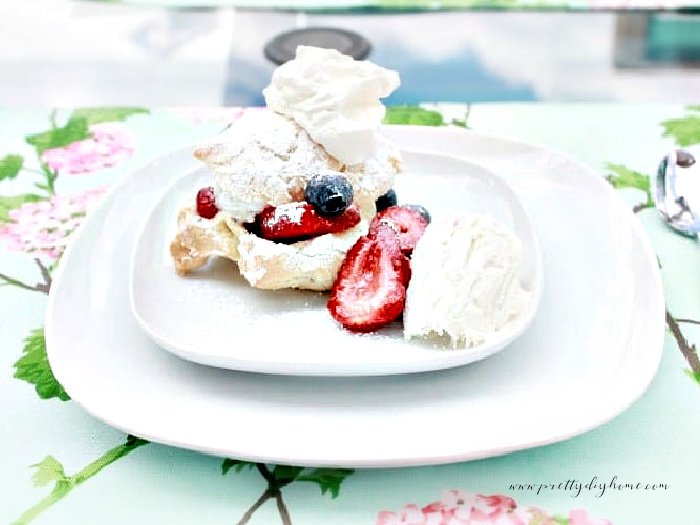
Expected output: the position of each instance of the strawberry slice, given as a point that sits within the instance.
(300, 220)
(408, 222)
(370, 289)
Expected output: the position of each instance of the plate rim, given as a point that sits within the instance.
(656, 338)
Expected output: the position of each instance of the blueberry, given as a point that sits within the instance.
(329, 194)
(386, 200)
(420, 209)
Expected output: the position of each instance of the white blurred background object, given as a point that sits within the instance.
(67, 53)
(64, 53)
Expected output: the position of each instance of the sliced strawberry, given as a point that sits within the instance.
(370, 289)
(406, 270)
(300, 220)
(408, 222)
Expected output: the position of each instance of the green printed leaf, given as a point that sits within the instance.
(99, 115)
(623, 177)
(10, 166)
(11, 202)
(286, 473)
(75, 129)
(50, 469)
(328, 479)
(694, 375)
(685, 131)
(33, 367)
(133, 441)
(693, 108)
(235, 464)
(413, 115)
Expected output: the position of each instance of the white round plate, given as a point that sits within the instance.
(592, 349)
(214, 317)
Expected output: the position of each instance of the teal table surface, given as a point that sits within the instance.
(427, 5)
(60, 465)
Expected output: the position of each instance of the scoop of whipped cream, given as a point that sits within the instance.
(334, 98)
(465, 281)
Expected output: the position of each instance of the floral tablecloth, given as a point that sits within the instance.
(60, 465)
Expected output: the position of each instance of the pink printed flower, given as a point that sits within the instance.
(42, 228)
(491, 507)
(109, 144)
(456, 507)
(409, 515)
(581, 517)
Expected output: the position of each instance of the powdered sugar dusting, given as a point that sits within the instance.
(312, 264)
(291, 213)
(266, 159)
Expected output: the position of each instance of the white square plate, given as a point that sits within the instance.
(214, 317)
(592, 349)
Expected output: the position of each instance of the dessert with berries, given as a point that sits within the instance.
(302, 196)
(294, 185)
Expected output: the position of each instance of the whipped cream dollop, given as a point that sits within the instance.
(334, 98)
(465, 280)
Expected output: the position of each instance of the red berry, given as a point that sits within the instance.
(370, 289)
(301, 220)
(206, 203)
(407, 221)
